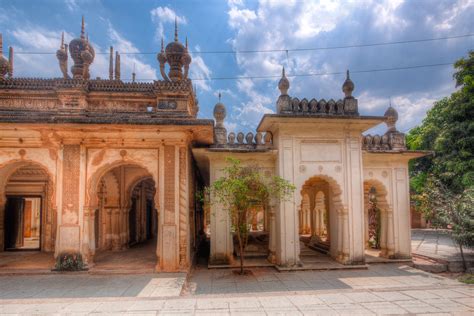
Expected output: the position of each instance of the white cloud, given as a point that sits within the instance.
(128, 61)
(37, 39)
(452, 15)
(387, 15)
(71, 5)
(199, 70)
(163, 15)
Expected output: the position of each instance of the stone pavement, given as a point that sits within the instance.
(438, 245)
(382, 289)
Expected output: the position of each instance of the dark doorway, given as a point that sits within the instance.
(132, 220)
(22, 223)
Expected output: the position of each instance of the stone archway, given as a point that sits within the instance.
(32, 186)
(325, 217)
(109, 203)
(376, 191)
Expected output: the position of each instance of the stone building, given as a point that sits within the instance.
(95, 165)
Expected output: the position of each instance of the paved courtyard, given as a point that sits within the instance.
(382, 289)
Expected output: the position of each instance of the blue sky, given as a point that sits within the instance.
(137, 26)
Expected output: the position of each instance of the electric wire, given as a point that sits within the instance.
(285, 50)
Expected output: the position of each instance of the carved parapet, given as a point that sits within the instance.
(390, 141)
(289, 105)
(181, 86)
(249, 141)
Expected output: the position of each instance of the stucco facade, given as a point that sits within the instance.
(116, 163)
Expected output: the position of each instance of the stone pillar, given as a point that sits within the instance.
(108, 228)
(383, 233)
(116, 229)
(340, 235)
(272, 233)
(322, 226)
(390, 235)
(69, 237)
(366, 225)
(345, 235)
(169, 249)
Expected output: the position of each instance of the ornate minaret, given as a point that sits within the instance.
(396, 139)
(117, 66)
(111, 63)
(284, 100)
(350, 103)
(82, 53)
(220, 132)
(62, 56)
(177, 57)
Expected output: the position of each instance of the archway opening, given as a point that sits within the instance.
(318, 221)
(27, 216)
(377, 241)
(126, 220)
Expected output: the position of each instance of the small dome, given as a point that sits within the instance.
(82, 53)
(175, 48)
(391, 113)
(348, 86)
(220, 112)
(283, 84)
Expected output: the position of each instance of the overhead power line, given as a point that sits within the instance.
(279, 50)
(316, 74)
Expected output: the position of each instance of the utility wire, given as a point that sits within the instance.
(314, 74)
(286, 50)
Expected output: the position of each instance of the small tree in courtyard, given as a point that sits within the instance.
(240, 191)
(447, 209)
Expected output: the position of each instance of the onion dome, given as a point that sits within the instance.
(220, 113)
(348, 86)
(391, 117)
(4, 63)
(177, 56)
(82, 53)
(283, 84)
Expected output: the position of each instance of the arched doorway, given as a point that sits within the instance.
(125, 219)
(27, 215)
(321, 221)
(378, 221)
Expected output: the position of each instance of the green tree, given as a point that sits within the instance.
(240, 190)
(448, 131)
(443, 183)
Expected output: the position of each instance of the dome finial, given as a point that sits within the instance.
(1, 44)
(219, 97)
(83, 28)
(186, 45)
(175, 28)
(283, 84)
(62, 40)
(391, 117)
(162, 45)
(348, 86)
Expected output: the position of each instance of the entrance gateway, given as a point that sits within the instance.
(101, 167)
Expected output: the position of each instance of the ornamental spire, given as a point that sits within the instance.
(1, 45)
(62, 40)
(348, 86)
(162, 45)
(10, 61)
(175, 28)
(283, 84)
(111, 63)
(83, 28)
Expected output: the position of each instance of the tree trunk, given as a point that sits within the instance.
(241, 252)
(462, 257)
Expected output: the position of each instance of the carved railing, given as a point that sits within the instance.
(289, 105)
(389, 141)
(240, 140)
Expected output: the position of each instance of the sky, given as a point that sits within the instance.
(237, 25)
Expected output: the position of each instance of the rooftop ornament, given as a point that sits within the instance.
(6, 66)
(177, 57)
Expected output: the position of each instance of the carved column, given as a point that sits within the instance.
(272, 239)
(183, 206)
(383, 233)
(116, 228)
(340, 235)
(322, 226)
(345, 240)
(390, 233)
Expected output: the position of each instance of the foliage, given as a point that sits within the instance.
(447, 209)
(242, 189)
(443, 183)
(448, 131)
(467, 278)
(69, 262)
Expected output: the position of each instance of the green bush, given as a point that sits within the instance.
(69, 262)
